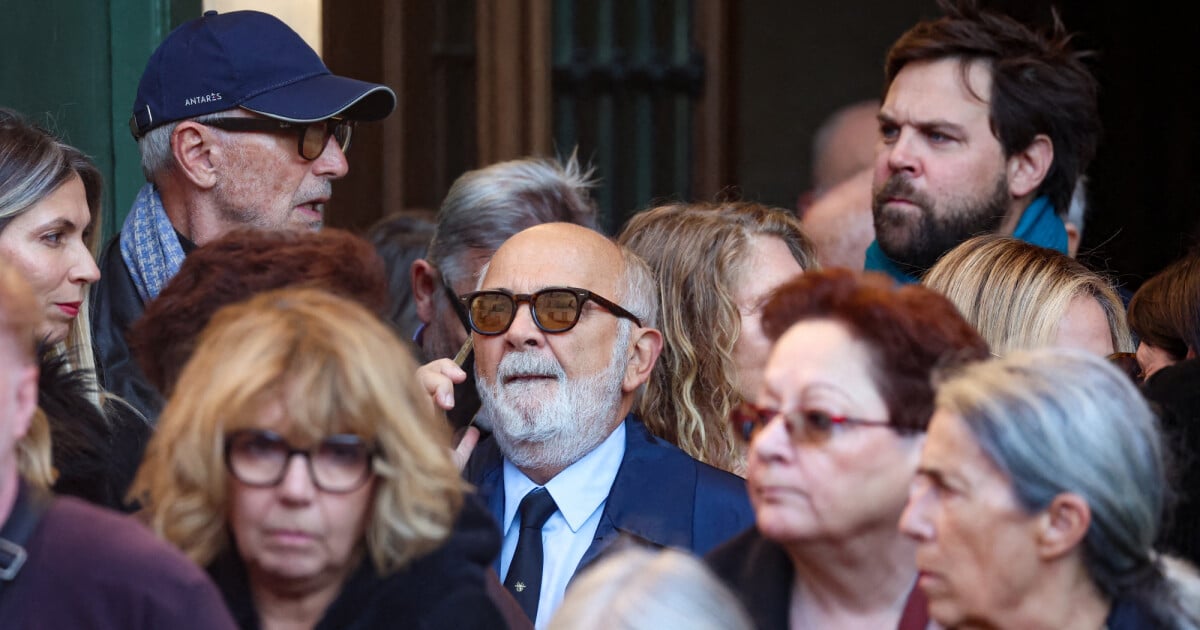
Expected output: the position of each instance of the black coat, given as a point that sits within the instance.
(96, 453)
(115, 305)
(761, 574)
(1175, 392)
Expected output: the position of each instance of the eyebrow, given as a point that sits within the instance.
(941, 478)
(61, 223)
(924, 125)
(771, 393)
(832, 388)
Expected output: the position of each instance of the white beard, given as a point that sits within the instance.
(534, 433)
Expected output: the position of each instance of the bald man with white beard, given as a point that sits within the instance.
(563, 328)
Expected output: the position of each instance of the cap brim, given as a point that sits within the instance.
(324, 96)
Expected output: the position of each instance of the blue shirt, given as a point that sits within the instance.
(580, 491)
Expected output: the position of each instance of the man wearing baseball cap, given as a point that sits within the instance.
(239, 124)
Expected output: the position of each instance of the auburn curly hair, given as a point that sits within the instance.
(238, 266)
(909, 330)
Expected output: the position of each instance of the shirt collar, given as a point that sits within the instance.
(578, 490)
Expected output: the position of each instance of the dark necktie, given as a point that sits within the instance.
(524, 579)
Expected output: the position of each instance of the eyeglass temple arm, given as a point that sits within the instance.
(615, 308)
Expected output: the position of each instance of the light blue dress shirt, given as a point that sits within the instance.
(580, 492)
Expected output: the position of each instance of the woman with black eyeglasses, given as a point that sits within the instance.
(300, 463)
(834, 439)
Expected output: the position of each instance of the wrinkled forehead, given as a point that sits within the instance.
(556, 256)
(952, 446)
(930, 90)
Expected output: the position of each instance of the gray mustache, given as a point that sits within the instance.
(527, 363)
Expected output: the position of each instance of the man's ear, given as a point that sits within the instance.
(645, 347)
(1073, 238)
(1027, 169)
(1062, 526)
(196, 153)
(425, 281)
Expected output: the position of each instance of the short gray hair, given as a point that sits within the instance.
(638, 291)
(1056, 421)
(1077, 211)
(642, 589)
(486, 206)
(155, 146)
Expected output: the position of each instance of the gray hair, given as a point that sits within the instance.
(1056, 421)
(34, 163)
(638, 289)
(640, 589)
(486, 206)
(155, 145)
(1077, 211)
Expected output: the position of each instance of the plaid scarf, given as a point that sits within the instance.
(149, 245)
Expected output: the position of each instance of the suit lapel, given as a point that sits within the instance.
(485, 469)
(651, 500)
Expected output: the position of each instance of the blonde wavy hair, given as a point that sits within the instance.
(697, 253)
(335, 368)
(20, 318)
(1015, 294)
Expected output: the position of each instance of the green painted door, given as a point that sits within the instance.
(73, 65)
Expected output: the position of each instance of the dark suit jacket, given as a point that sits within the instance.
(660, 496)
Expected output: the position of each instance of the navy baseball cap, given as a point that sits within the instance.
(252, 60)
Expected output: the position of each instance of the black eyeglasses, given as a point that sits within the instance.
(804, 426)
(338, 464)
(554, 310)
(313, 136)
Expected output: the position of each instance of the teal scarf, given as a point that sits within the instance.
(1039, 225)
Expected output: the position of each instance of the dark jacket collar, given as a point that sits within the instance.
(638, 505)
(761, 575)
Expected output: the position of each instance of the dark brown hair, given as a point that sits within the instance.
(242, 264)
(909, 330)
(1165, 311)
(1039, 85)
